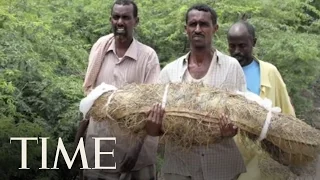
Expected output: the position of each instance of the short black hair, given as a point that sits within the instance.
(250, 28)
(205, 8)
(127, 2)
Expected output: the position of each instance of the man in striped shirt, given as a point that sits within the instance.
(119, 59)
(220, 161)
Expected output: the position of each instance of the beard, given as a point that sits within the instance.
(241, 59)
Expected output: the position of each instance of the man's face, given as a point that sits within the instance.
(200, 28)
(123, 21)
(240, 47)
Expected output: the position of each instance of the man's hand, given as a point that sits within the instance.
(154, 121)
(130, 158)
(227, 128)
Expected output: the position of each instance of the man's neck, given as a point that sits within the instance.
(248, 62)
(122, 45)
(201, 56)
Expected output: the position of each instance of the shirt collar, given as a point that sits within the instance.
(214, 58)
(183, 63)
(132, 51)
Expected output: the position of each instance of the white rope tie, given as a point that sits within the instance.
(266, 126)
(165, 95)
(267, 104)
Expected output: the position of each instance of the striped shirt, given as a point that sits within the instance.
(140, 64)
(221, 161)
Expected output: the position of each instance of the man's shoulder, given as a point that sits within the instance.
(172, 71)
(175, 63)
(144, 48)
(267, 66)
(105, 38)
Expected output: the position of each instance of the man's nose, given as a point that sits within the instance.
(236, 50)
(120, 21)
(198, 28)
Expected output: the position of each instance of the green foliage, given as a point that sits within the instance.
(44, 50)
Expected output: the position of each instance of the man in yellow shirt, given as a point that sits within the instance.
(262, 79)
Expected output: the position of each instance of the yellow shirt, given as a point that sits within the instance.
(272, 87)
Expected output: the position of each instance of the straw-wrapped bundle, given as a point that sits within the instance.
(192, 118)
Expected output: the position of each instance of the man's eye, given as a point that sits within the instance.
(203, 24)
(126, 17)
(242, 45)
(193, 24)
(115, 17)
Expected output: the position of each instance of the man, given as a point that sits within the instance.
(262, 79)
(119, 59)
(221, 161)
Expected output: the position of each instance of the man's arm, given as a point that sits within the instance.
(227, 128)
(282, 97)
(85, 86)
(88, 80)
(154, 126)
(153, 69)
(131, 157)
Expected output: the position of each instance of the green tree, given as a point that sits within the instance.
(44, 53)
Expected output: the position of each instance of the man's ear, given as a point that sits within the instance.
(137, 21)
(254, 42)
(215, 28)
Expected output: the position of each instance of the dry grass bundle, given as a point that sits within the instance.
(270, 168)
(192, 112)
